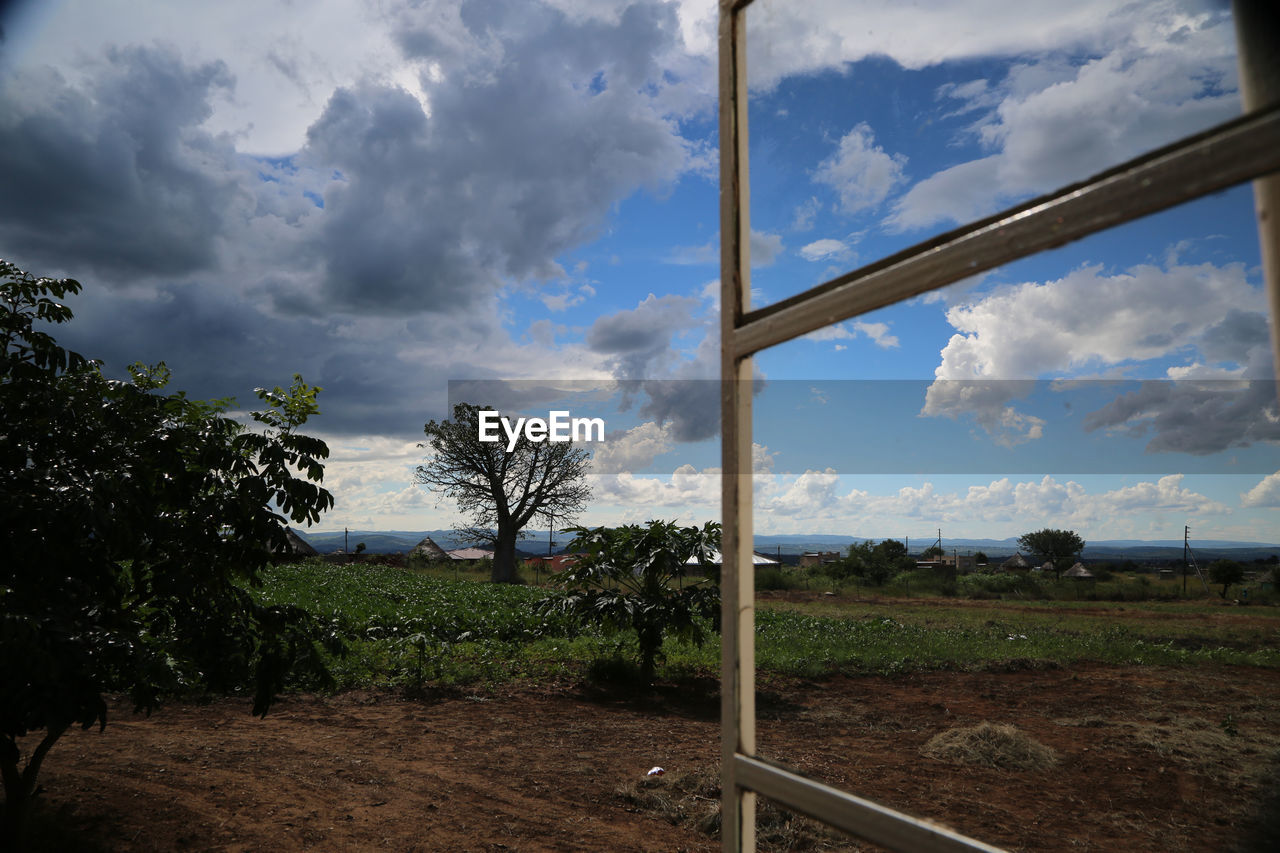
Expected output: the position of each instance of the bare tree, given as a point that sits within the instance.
(499, 491)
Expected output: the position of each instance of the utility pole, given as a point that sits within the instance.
(1186, 545)
(346, 541)
(551, 529)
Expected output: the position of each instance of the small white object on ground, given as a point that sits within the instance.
(656, 771)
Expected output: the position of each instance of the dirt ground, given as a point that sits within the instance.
(1150, 760)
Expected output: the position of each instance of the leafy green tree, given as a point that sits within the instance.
(980, 558)
(1062, 547)
(891, 551)
(877, 562)
(838, 570)
(132, 521)
(1226, 572)
(500, 491)
(629, 579)
(933, 552)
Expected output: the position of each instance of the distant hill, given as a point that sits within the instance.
(1116, 549)
(392, 541)
(398, 541)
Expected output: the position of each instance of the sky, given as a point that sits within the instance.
(400, 200)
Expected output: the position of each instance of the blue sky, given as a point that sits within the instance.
(390, 196)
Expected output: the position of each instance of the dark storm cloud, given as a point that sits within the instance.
(115, 176)
(537, 126)
(219, 345)
(638, 340)
(335, 262)
(1240, 334)
(1194, 416)
(669, 389)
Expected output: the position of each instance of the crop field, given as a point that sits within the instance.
(461, 719)
(403, 627)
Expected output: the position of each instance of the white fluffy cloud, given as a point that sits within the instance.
(860, 172)
(1050, 122)
(824, 497)
(877, 332)
(1265, 494)
(1092, 320)
(633, 450)
(826, 248)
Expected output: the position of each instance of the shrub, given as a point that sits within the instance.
(981, 585)
(772, 577)
(627, 581)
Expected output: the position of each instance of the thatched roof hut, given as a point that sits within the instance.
(469, 554)
(1079, 572)
(1047, 566)
(1016, 563)
(428, 550)
(298, 547)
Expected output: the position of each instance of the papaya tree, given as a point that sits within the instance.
(631, 578)
(133, 520)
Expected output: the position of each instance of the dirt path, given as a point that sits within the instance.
(1146, 764)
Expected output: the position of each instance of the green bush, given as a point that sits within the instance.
(773, 577)
(981, 585)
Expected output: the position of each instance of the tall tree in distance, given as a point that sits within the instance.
(499, 491)
(1061, 547)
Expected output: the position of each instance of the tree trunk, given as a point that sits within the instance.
(19, 786)
(15, 803)
(504, 553)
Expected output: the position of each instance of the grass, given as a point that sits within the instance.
(406, 628)
(1190, 623)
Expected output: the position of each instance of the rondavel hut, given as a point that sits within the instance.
(297, 549)
(428, 551)
(1079, 572)
(1016, 563)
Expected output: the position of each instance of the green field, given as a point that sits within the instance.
(406, 628)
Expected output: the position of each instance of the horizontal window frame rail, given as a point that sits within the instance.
(852, 814)
(1224, 156)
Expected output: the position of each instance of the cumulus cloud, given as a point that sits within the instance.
(639, 337)
(1050, 122)
(1196, 417)
(825, 496)
(826, 248)
(877, 332)
(631, 450)
(860, 172)
(799, 38)
(516, 132)
(541, 125)
(117, 175)
(686, 488)
(1091, 320)
(1265, 494)
(681, 391)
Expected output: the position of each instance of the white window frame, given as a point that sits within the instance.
(1246, 149)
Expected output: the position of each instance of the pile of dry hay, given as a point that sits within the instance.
(990, 745)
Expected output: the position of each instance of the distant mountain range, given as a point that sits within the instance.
(392, 541)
